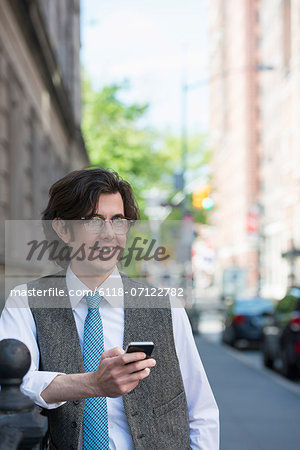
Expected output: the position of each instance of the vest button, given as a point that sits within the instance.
(72, 447)
(76, 402)
(140, 436)
(74, 424)
(135, 413)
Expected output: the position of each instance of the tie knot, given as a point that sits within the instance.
(93, 301)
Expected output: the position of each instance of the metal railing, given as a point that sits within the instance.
(21, 424)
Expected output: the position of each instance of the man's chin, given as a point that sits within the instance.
(96, 267)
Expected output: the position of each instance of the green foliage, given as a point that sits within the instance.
(116, 140)
(198, 154)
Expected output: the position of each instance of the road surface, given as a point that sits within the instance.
(259, 410)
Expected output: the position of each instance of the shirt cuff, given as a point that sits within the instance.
(35, 382)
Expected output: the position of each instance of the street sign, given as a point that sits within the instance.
(234, 282)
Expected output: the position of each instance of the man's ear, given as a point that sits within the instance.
(61, 229)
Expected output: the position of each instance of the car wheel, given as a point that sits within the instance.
(231, 337)
(223, 338)
(288, 370)
(267, 360)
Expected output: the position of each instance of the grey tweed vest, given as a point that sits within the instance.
(156, 409)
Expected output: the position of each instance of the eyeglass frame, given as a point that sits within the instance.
(130, 222)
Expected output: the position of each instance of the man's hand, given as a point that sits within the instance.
(119, 372)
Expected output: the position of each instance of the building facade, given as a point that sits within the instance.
(234, 132)
(280, 150)
(40, 137)
(255, 116)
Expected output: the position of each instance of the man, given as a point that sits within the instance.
(125, 401)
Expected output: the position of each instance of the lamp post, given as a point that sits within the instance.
(183, 140)
(186, 88)
(184, 131)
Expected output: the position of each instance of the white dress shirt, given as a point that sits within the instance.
(17, 322)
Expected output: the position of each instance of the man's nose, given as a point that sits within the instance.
(107, 230)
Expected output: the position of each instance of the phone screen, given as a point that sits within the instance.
(146, 347)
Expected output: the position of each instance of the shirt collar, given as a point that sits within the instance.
(112, 289)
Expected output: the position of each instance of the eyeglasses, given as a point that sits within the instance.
(96, 223)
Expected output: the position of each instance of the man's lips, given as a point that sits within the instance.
(105, 252)
(107, 248)
(108, 251)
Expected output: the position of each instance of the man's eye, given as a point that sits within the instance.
(95, 221)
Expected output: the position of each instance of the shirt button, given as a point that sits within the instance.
(73, 424)
(76, 402)
(140, 436)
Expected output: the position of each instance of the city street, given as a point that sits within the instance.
(159, 140)
(259, 409)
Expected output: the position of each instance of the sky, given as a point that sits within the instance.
(150, 43)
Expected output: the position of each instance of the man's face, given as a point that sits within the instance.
(106, 243)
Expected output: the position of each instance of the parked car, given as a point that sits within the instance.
(281, 335)
(244, 320)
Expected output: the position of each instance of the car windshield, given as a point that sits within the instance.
(253, 306)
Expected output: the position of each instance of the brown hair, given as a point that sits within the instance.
(76, 195)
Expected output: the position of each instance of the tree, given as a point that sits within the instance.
(115, 139)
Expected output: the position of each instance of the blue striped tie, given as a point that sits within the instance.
(95, 422)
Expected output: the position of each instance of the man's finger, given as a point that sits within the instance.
(137, 376)
(141, 365)
(112, 352)
(132, 380)
(127, 358)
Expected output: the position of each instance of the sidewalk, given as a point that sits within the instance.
(256, 412)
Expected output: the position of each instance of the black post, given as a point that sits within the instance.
(21, 425)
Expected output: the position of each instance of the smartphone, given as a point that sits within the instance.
(146, 347)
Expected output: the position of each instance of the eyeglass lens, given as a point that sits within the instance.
(94, 225)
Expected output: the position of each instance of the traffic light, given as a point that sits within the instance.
(197, 200)
(201, 198)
